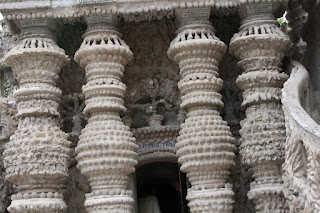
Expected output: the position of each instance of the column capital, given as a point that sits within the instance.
(261, 8)
(101, 21)
(193, 16)
(38, 27)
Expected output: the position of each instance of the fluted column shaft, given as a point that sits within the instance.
(205, 144)
(106, 151)
(260, 46)
(36, 158)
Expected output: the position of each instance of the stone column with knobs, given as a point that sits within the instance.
(36, 158)
(260, 47)
(205, 146)
(106, 151)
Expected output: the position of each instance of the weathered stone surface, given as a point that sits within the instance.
(153, 100)
(205, 146)
(36, 158)
(261, 45)
(301, 167)
(106, 151)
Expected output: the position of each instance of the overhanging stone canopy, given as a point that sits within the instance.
(154, 94)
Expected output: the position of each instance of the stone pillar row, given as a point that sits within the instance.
(260, 46)
(36, 158)
(106, 151)
(205, 146)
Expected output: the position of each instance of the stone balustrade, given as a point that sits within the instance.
(302, 147)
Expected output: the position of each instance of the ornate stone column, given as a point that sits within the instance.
(260, 46)
(106, 151)
(205, 146)
(36, 158)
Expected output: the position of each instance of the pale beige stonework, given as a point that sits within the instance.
(36, 158)
(260, 46)
(205, 145)
(140, 82)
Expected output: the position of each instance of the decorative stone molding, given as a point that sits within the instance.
(123, 8)
(156, 144)
(301, 167)
(106, 151)
(36, 158)
(260, 46)
(205, 146)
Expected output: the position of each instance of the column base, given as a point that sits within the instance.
(211, 200)
(268, 198)
(109, 204)
(38, 205)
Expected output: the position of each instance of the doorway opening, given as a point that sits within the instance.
(165, 181)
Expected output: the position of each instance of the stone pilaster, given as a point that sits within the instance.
(260, 46)
(106, 151)
(36, 158)
(205, 146)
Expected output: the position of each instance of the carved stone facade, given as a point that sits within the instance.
(103, 91)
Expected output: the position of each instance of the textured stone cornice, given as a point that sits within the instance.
(131, 11)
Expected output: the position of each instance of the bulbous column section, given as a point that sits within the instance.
(205, 145)
(106, 151)
(36, 158)
(260, 46)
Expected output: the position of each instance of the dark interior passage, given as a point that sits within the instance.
(162, 180)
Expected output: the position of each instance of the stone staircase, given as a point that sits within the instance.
(301, 170)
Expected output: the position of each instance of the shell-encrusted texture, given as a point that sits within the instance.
(260, 46)
(205, 145)
(36, 158)
(106, 151)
